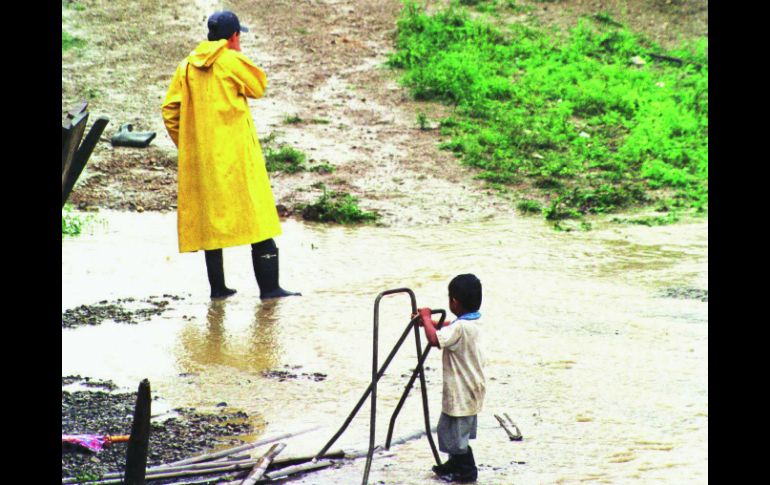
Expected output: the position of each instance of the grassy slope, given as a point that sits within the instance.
(592, 121)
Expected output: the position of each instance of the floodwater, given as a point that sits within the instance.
(606, 377)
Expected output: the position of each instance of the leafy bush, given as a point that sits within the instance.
(528, 206)
(339, 207)
(286, 159)
(71, 223)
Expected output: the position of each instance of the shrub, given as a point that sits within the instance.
(338, 207)
(286, 159)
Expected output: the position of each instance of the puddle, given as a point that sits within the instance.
(585, 355)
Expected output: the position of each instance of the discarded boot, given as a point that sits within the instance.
(266, 271)
(126, 137)
(216, 274)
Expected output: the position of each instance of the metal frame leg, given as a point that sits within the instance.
(376, 375)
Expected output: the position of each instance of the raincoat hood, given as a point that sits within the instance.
(206, 53)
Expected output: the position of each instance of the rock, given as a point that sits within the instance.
(637, 61)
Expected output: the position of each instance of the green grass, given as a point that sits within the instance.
(71, 222)
(292, 120)
(422, 121)
(323, 168)
(285, 159)
(570, 115)
(337, 207)
(528, 206)
(68, 41)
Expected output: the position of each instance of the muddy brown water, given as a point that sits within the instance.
(606, 377)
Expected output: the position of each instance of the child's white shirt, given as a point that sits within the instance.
(464, 385)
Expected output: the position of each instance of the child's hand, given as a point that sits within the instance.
(424, 314)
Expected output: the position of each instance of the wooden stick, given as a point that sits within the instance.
(162, 475)
(519, 436)
(212, 480)
(237, 449)
(275, 464)
(261, 467)
(511, 436)
(191, 466)
(281, 462)
(292, 470)
(284, 472)
(246, 456)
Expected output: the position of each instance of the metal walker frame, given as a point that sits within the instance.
(377, 374)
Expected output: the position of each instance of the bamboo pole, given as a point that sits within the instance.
(292, 470)
(286, 472)
(261, 467)
(275, 464)
(191, 466)
(163, 475)
(281, 462)
(237, 449)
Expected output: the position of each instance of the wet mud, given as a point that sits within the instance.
(119, 311)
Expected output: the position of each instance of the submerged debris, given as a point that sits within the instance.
(686, 293)
(88, 382)
(282, 375)
(117, 311)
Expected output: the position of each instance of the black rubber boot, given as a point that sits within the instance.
(127, 137)
(465, 470)
(445, 468)
(216, 272)
(266, 270)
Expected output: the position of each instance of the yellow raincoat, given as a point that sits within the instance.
(224, 196)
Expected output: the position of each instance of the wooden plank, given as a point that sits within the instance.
(138, 444)
(71, 137)
(81, 156)
(77, 109)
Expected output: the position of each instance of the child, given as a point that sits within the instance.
(463, 377)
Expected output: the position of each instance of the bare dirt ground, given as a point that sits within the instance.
(324, 63)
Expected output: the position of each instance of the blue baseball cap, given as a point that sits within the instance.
(224, 24)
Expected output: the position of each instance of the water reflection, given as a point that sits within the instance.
(225, 338)
(265, 349)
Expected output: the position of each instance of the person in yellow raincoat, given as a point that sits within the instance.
(224, 196)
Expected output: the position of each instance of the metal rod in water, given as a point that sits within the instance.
(363, 397)
(380, 374)
(421, 357)
(424, 392)
(401, 402)
(375, 377)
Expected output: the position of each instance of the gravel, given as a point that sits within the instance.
(111, 413)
